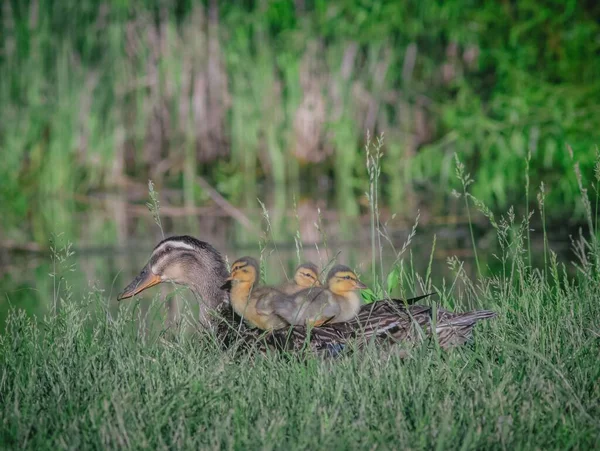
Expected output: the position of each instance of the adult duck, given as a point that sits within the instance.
(196, 264)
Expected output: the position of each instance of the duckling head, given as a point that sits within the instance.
(183, 260)
(244, 271)
(307, 275)
(341, 280)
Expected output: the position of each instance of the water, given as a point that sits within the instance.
(111, 244)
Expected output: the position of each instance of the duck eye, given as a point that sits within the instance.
(168, 249)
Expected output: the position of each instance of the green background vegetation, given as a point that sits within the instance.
(272, 100)
(95, 96)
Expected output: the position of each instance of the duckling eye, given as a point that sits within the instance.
(347, 277)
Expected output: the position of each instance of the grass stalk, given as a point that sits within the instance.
(466, 180)
(541, 203)
(527, 162)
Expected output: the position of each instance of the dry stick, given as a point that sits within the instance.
(10, 245)
(233, 212)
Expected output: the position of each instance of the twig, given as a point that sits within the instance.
(235, 213)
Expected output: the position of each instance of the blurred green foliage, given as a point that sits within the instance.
(92, 93)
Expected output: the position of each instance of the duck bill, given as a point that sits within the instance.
(360, 286)
(227, 285)
(144, 280)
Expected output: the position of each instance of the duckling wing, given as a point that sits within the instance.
(265, 298)
(309, 305)
(285, 308)
(321, 312)
(318, 307)
(289, 288)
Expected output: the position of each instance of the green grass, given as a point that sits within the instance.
(84, 377)
(89, 376)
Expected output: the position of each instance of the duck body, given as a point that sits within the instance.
(382, 323)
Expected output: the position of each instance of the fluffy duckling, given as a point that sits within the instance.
(253, 303)
(337, 303)
(306, 276)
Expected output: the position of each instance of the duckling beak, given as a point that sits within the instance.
(359, 285)
(145, 279)
(227, 285)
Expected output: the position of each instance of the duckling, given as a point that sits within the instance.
(306, 276)
(250, 302)
(316, 306)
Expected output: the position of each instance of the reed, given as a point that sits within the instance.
(273, 91)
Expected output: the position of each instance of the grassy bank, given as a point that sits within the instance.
(84, 377)
(96, 94)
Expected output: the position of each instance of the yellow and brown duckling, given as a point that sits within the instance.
(306, 276)
(338, 302)
(252, 302)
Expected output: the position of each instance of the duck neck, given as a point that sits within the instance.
(206, 287)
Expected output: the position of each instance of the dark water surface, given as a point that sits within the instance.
(109, 248)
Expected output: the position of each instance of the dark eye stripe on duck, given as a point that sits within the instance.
(171, 244)
(185, 241)
(181, 243)
(201, 250)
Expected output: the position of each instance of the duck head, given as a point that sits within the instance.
(342, 280)
(184, 260)
(307, 275)
(244, 271)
